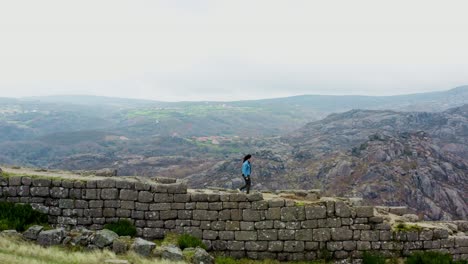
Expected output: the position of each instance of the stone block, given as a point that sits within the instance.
(267, 234)
(256, 245)
(40, 191)
(142, 186)
(96, 204)
(160, 206)
(124, 184)
(245, 235)
(370, 235)
(275, 246)
(341, 234)
(334, 246)
(274, 203)
(304, 235)
(108, 212)
(24, 191)
(166, 215)
(237, 197)
(363, 245)
(264, 225)
(164, 197)
(217, 206)
(66, 203)
(210, 234)
(199, 197)
(273, 213)
(236, 245)
(342, 209)
(255, 196)
(230, 205)
(201, 206)
(130, 205)
(253, 215)
(75, 194)
(81, 204)
(309, 224)
(40, 182)
(177, 187)
(145, 197)
(141, 206)
(123, 213)
(140, 215)
(205, 215)
(248, 226)
(292, 213)
(233, 225)
(226, 235)
(315, 212)
(321, 234)
(285, 234)
(181, 197)
(364, 211)
(245, 205)
(236, 215)
(91, 194)
(293, 246)
(153, 233)
(128, 195)
(112, 203)
(184, 214)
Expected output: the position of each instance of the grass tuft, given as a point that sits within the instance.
(372, 258)
(188, 241)
(19, 216)
(122, 228)
(430, 257)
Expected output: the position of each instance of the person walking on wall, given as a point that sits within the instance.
(246, 172)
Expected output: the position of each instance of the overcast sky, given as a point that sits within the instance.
(231, 50)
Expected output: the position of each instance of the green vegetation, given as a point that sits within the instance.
(430, 257)
(188, 241)
(299, 203)
(122, 228)
(402, 227)
(16, 251)
(229, 260)
(372, 258)
(19, 216)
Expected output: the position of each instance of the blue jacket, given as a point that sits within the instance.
(246, 169)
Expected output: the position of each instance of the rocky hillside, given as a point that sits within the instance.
(394, 158)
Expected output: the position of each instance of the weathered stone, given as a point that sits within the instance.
(321, 234)
(51, 237)
(461, 241)
(236, 245)
(440, 233)
(153, 233)
(363, 245)
(292, 213)
(33, 232)
(293, 246)
(252, 215)
(368, 235)
(124, 184)
(143, 247)
(202, 257)
(273, 213)
(255, 196)
(96, 204)
(256, 245)
(41, 182)
(245, 235)
(91, 194)
(284, 234)
(145, 197)
(270, 234)
(315, 212)
(309, 224)
(104, 238)
(334, 246)
(128, 195)
(304, 235)
(341, 234)
(66, 203)
(247, 226)
(342, 210)
(364, 211)
(170, 252)
(109, 194)
(205, 215)
(121, 245)
(39, 191)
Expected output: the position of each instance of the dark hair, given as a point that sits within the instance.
(248, 156)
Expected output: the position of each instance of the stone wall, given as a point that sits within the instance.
(235, 223)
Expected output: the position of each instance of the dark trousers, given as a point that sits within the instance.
(247, 184)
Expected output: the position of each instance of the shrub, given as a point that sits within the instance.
(188, 241)
(372, 258)
(122, 228)
(19, 216)
(430, 257)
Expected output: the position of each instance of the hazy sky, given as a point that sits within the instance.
(226, 50)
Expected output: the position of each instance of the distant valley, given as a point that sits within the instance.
(395, 150)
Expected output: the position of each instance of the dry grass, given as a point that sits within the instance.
(17, 251)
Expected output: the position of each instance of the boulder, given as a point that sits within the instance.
(33, 232)
(202, 257)
(170, 252)
(104, 238)
(143, 247)
(410, 218)
(51, 237)
(121, 245)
